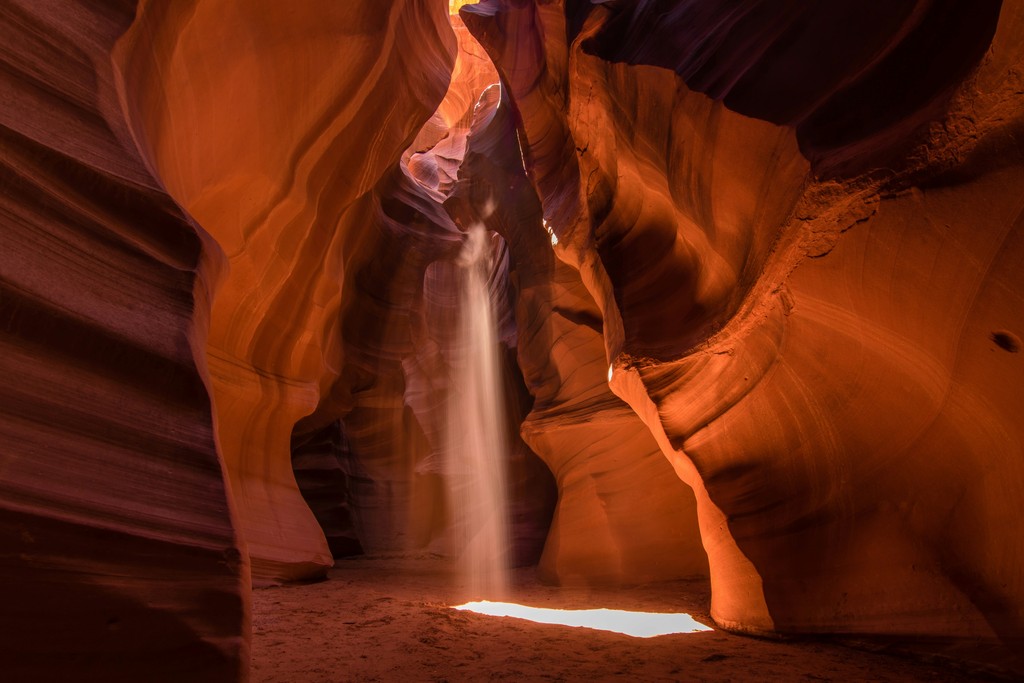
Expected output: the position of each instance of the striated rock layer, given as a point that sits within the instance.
(274, 136)
(118, 555)
(431, 364)
(622, 516)
(759, 274)
(801, 242)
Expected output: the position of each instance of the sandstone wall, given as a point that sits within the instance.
(119, 559)
(761, 279)
(800, 239)
(272, 124)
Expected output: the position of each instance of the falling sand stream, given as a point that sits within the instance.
(476, 448)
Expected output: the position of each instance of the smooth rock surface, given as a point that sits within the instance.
(621, 516)
(274, 136)
(757, 272)
(119, 559)
(815, 319)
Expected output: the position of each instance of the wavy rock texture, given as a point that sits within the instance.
(326, 472)
(622, 516)
(391, 391)
(119, 559)
(431, 365)
(394, 495)
(274, 135)
(801, 249)
(760, 278)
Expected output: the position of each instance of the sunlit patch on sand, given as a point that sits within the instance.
(638, 624)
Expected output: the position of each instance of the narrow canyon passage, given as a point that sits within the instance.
(743, 280)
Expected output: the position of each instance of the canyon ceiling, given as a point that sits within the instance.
(759, 273)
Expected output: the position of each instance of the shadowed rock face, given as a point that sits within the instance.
(118, 557)
(326, 473)
(760, 277)
(854, 80)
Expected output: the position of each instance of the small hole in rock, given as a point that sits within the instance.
(1007, 341)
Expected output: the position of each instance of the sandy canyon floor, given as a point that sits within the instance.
(389, 619)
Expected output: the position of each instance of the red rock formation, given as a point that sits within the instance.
(621, 517)
(853, 80)
(760, 278)
(326, 472)
(414, 298)
(815, 320)
(274, 136)
(118, 557)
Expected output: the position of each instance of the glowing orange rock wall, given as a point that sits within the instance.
(806, 291)
(621, 516)
(793, 232)
(272, 124)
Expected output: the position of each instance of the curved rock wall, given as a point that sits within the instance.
(326, 473)
(399, 495)
(621, 516)
(853, 80)
(118, 556)
(764, 267)
(272, 125)
(801, 258)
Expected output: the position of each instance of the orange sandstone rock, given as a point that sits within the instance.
(799, 245)
(761, 279)
(621, 516)
(272, 124)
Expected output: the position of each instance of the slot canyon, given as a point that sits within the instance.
(753, 273)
